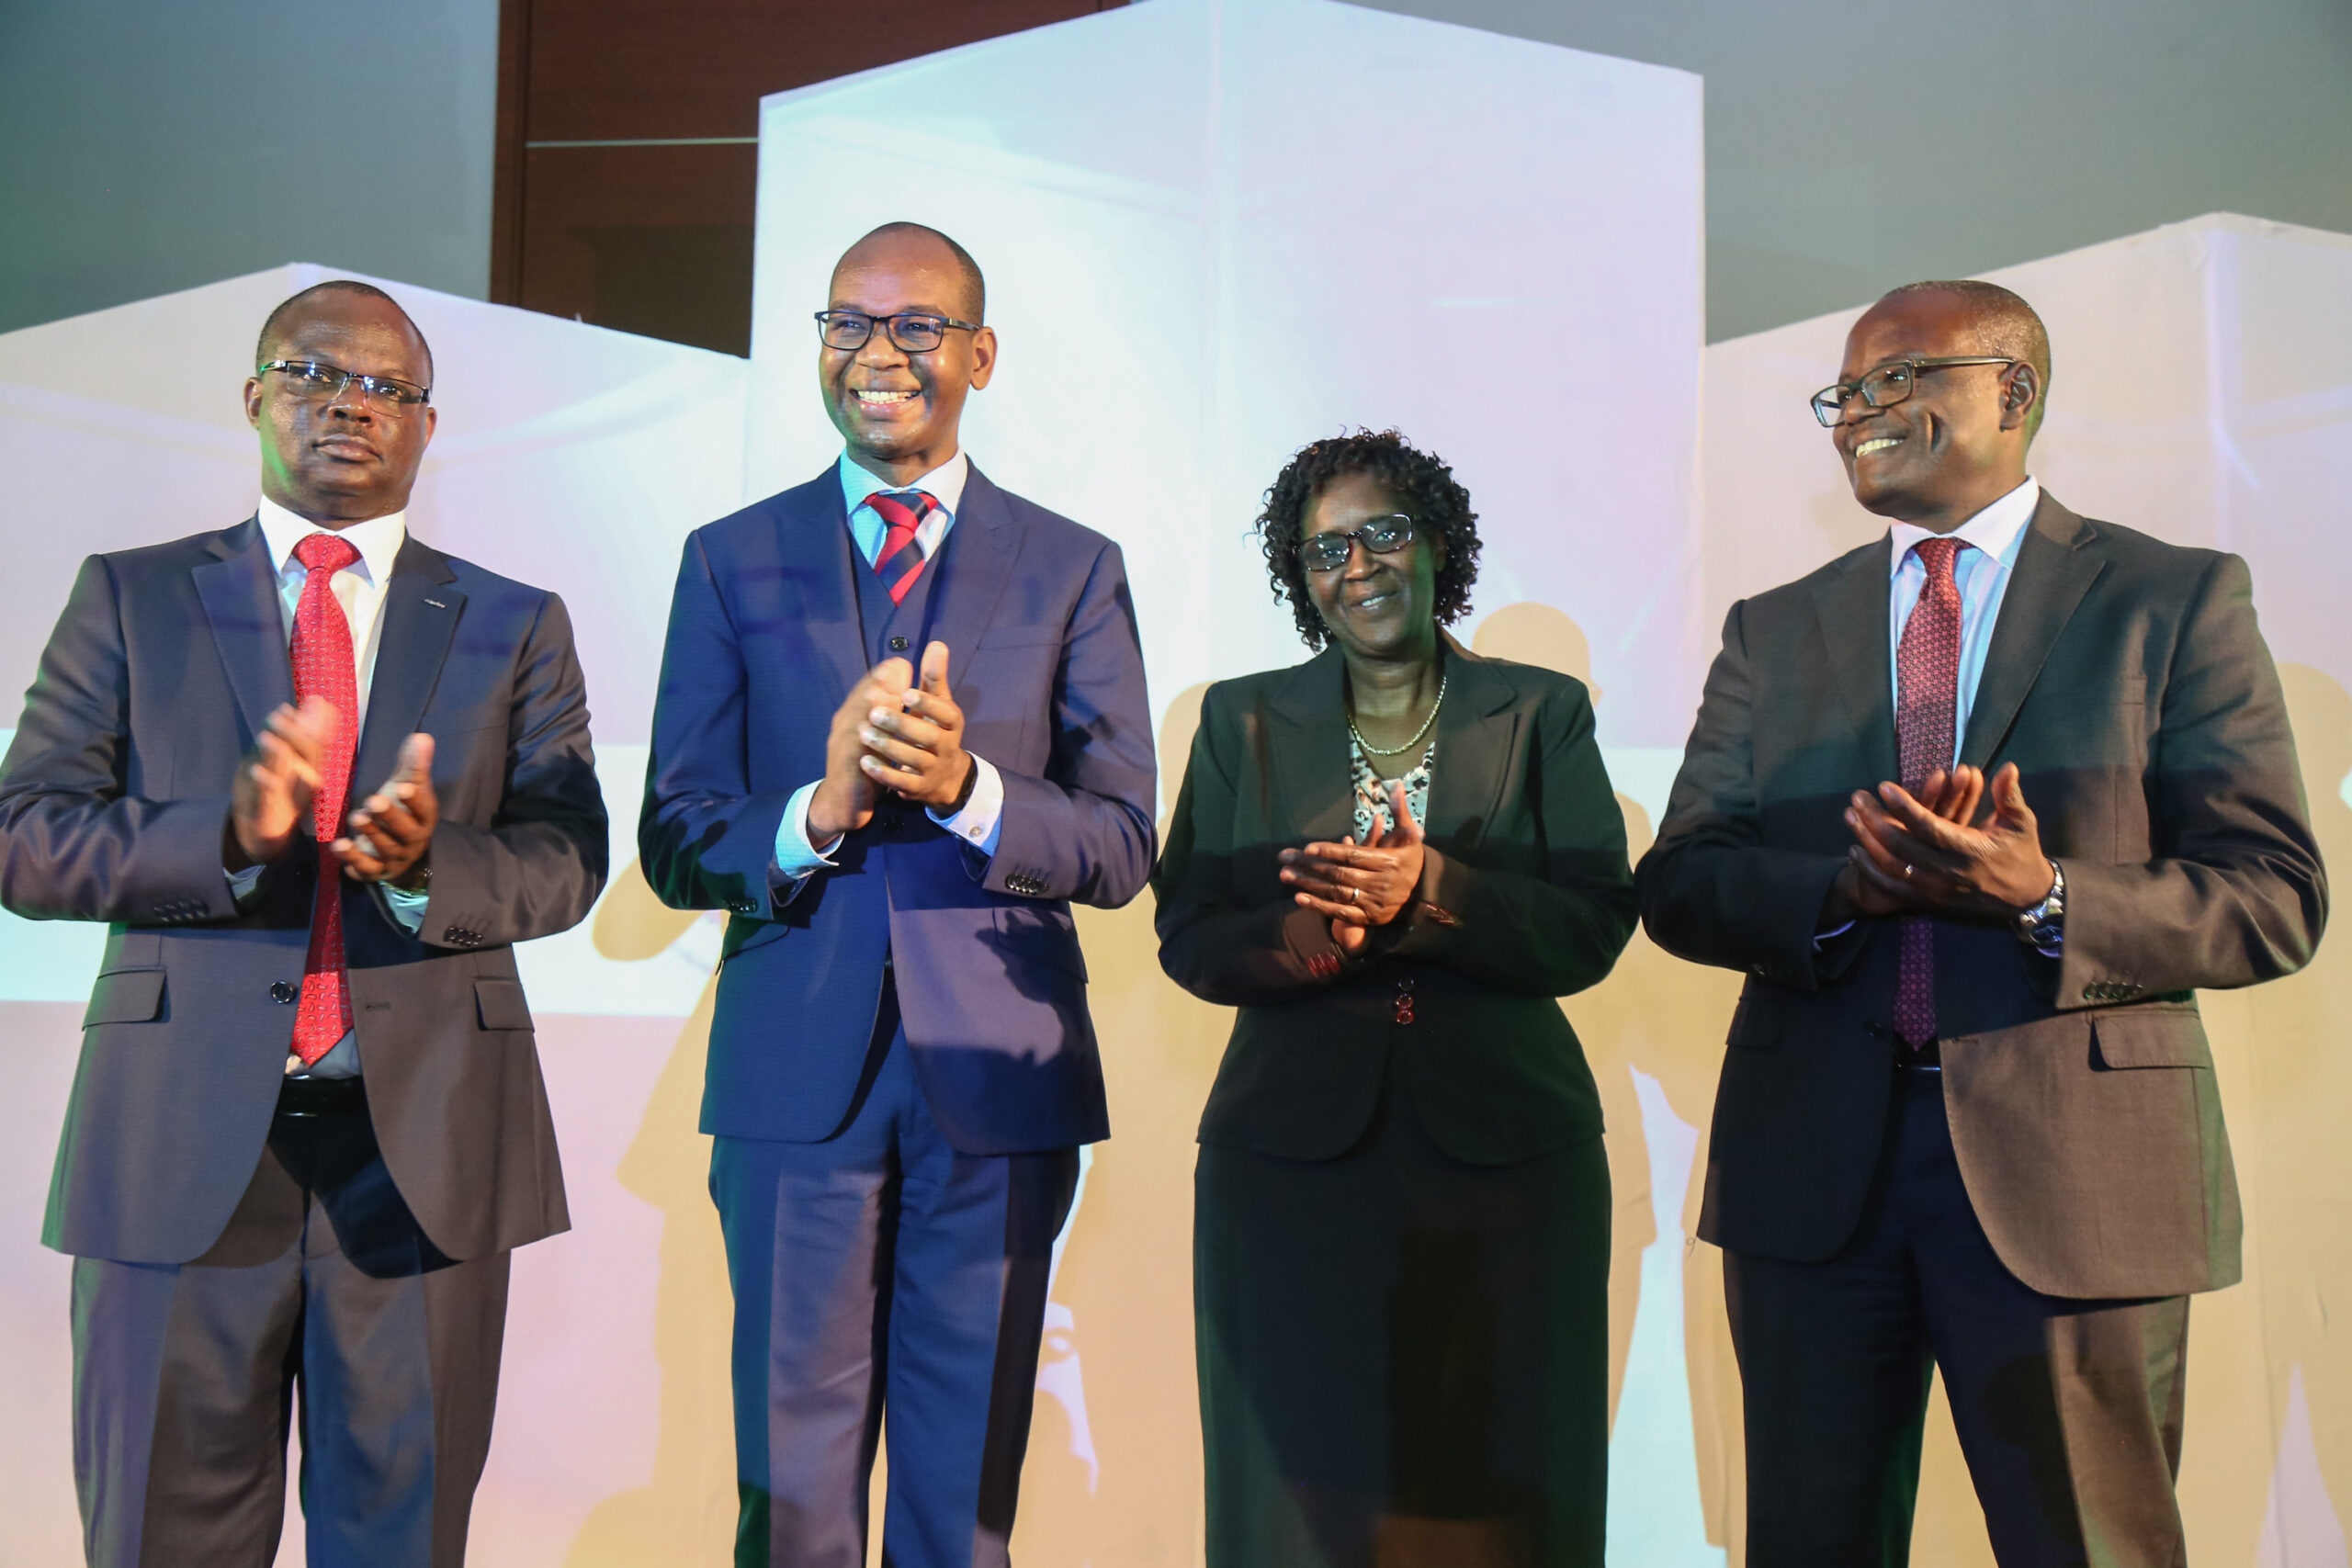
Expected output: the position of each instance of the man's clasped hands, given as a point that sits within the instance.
(893, 732)
(1931, 854)
(387, 835)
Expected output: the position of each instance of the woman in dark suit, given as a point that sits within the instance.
(1392, 859)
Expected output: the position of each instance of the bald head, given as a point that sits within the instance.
(1999, 322)
(902, 245)
(291, 313)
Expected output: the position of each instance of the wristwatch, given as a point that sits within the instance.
(2044, 924)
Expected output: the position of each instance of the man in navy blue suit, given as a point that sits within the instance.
(901, 1065)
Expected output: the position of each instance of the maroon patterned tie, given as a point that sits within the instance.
(322, 668)
(1927, 675)
(902, 560)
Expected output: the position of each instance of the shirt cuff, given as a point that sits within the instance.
(242, 885)
(405, 906)
(983, 815)
(1823, 939)
(795, 857)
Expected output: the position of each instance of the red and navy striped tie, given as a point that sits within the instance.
(901, 560)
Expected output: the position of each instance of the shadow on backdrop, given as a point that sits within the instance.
(686, 1510)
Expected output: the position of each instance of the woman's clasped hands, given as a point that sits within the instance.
(1358, 886)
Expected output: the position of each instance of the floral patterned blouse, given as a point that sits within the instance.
(1372, 790)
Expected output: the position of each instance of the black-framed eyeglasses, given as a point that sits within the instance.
(316, 381)
(1886, 385)
(1382, 536)
(917, 331)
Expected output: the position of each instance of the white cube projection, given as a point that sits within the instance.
(1213, 231)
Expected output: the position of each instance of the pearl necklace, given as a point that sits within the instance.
(1370, 750)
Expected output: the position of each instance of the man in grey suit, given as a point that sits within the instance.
(308, 1125)
(1968, 1119)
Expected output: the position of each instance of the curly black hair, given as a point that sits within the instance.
(1438, 506)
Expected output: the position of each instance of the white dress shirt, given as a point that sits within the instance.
(359, 588)
(978, 823)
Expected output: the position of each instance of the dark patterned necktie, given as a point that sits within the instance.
(1926, 675)
(322, 668)
(902, 560)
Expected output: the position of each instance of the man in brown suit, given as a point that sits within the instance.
(1968, 1118)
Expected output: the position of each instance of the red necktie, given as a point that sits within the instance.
(1927, 676)
(902, 560)
(322, 668)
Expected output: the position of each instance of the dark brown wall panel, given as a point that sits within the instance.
(653, 239)
(613, 68)
(654, 235)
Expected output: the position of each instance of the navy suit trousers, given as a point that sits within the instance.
(2068, 1411)
(880, 1268)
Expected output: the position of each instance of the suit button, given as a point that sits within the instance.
(284, 991)
(897, 645)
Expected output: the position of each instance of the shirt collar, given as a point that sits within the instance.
(1995, 530)
(378, 540)
(944, 484)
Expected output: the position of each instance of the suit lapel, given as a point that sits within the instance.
(1475, 732)
(2052, 575)
(976, 562)
(421, 613)
(238, 591)
(1312, 798)
(817, 565)
(1852, 605)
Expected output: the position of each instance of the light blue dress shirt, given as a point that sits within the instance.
(1982, 575)
(978, 824)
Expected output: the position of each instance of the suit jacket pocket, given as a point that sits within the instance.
(2168, 1038)
(1755, 1024)
(499, 1004)
(126, 996)
(1046, 935)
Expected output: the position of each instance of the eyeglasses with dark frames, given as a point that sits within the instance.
(1884, 386)
(316, 381)
(916, 332)
(1380, 537)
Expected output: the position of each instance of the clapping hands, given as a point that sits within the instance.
(1928, 854)
(1359, 887)
(891, 733)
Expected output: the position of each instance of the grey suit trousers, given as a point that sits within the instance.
(185, 1376)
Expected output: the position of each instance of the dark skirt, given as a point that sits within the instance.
(1404, 1358)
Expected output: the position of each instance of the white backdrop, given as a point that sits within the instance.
(1213, 233)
